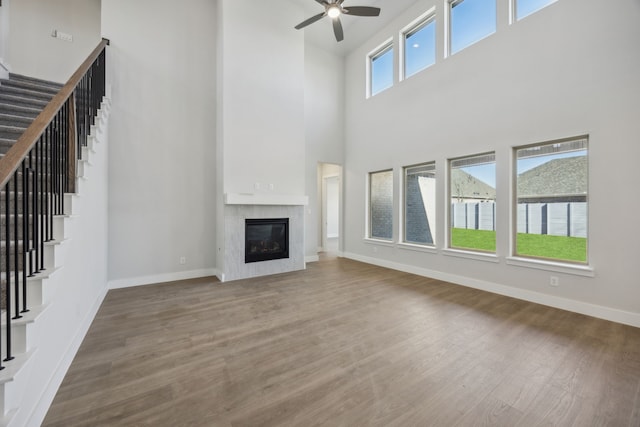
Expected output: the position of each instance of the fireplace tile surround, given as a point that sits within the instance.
(235, 267)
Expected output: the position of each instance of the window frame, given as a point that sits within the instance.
(513, 10)
(553, 264)
(379, 51)
(449, 5)
(403, 208)
(427, 18)
(369, 223)
(472, 252)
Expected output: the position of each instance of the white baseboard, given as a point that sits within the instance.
(311, 258)
(161, 278)
(49, 393)
(599, 311)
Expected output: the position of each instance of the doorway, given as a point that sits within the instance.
(330, 227)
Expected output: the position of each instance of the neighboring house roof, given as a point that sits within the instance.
(555, 178)
(465, 186)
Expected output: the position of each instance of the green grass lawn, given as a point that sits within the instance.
(535, 245)
(555, 247)
(482, 240)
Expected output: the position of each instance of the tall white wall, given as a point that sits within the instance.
(262, 116)
(32, 50)
(4, 39)
(567, 70)
(162, 176)
(324, 130)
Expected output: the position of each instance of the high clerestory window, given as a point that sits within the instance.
(472, 190)
(525, 8)
(469, 22)
(420, 204)
(551, 208)
(419, 45)
(380, 68)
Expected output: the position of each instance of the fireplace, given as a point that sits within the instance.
(266, 239)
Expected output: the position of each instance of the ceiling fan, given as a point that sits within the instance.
(333, 9)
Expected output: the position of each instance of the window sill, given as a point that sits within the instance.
(418, 248)
(378, 241)
(559, 267)
(478, 256)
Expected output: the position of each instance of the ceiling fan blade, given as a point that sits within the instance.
(362, 11)
(322, 2)
(310, 21)
(337, 29)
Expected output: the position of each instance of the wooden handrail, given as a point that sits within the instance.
(19, 151)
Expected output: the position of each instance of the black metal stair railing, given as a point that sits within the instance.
(35, 174)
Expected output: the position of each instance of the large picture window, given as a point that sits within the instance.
(381, 69)
(381, 205)
(469, 22)
(472, 187)
(551, 186)
(420, 204)
(419, 46)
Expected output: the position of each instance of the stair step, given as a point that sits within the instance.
(17, 110)
(34, 80)
(19, 121)
(22, 101)
(25, 93)
(11, 132)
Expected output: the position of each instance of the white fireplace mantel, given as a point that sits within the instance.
(265, 199)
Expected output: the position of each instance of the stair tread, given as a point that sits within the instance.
(11, 99)
(12, 369)
(28, 93)
(22, 77)
(27, 318)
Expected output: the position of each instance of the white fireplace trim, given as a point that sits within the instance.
(265, 199)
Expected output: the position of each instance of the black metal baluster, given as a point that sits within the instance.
(25, 233)
(7, 258)
(16, 249)
(41, 201)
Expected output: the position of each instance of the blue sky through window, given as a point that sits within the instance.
(527, 7)
(382, 72)
(420, 49)
(471, 20)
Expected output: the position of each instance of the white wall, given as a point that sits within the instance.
(162, 69)
(567, 70)
(324, 130)
(262, 117)
(77, 289)
(32, 50)
(4, 39)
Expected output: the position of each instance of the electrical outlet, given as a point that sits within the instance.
(554, 281)
(375, 249)
(183, 260)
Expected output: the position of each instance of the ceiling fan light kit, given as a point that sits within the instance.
(333, 10)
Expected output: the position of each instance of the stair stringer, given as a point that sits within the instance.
(68, 293)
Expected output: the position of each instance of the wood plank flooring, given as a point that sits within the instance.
(345, 344)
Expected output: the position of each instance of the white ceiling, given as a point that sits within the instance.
(356, 29)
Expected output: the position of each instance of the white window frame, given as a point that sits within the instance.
(368, 225)
(448, 6)
(416, 25)
(403, 200)
(477, 254)
(375, 53)
(550, 264)
(513, 11)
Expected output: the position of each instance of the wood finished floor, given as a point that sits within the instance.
(345, 344)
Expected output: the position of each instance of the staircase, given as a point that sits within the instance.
(53, 204)
(21, 100)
